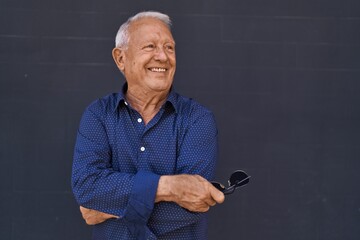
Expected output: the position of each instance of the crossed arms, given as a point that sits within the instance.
(124, 195)
(191, 192)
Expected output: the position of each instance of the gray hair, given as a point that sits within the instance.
(122, 36)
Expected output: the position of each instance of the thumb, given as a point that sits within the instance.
(217, 195)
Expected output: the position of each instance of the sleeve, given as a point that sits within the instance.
(199, 148)
(197, 155)
(96, 185)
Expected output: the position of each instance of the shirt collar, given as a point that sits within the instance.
(120, 97)
(171, 99)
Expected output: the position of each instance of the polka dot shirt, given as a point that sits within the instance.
(118, 161)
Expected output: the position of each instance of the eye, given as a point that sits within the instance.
(149, 47)
(170, 47)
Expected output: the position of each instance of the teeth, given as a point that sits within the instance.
(157, 69)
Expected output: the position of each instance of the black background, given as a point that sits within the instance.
(282, 78)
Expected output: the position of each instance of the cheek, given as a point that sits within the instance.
(173, 60)
(132, 67)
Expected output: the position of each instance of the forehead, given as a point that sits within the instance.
(149, 27)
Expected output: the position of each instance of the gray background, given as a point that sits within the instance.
(281, 76)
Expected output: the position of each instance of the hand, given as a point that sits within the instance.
(93, 217)
(192, 192)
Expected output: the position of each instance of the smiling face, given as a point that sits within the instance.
(148, 62)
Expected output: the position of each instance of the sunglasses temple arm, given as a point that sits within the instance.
(247, 178)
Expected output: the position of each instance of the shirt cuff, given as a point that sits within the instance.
(142, 197)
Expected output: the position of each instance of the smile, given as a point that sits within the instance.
(157, 69)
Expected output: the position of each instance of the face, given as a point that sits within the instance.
(148, 62)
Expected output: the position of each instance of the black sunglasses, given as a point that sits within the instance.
(237, 179)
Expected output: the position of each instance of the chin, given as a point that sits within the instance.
(161, 89)
(161, 86)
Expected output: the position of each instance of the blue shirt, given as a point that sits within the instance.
(118, 161)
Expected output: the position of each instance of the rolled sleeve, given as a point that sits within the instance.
(141, 203)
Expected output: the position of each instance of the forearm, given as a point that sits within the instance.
(186, 195)
(191, 192)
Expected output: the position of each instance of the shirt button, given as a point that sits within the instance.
(139, 120)
(126, 103)
(142, 149)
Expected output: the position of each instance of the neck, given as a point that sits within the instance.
(146, 103)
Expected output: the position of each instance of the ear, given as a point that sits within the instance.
(119, 58)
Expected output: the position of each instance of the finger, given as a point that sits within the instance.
(213, 203)
(210, 201)
(204, 209)
(217, 195)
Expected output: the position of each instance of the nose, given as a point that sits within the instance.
(161, 54)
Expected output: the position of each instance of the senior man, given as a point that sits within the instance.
(143, 156)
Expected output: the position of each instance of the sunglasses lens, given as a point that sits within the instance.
(238, 178)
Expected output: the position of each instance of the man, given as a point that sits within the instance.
(143, 157)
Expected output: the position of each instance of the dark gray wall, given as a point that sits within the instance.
(282, 77)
